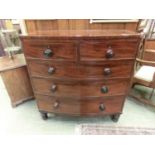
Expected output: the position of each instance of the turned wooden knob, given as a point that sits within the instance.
(53, 88)
(56, 104)
(48, 53)
(107, 71)
(51, 70)
(101, 107)
(104, 89)
(109, 53)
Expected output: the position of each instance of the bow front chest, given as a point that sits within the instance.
(81, 73)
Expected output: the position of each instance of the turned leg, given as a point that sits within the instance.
(115, 117)
(44, 115)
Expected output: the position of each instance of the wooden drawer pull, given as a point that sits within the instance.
(53, 88)
(51, 70)
(109, 53)
(56, 104)
(107, 71)
(104, 89)
(48, 53)
(101, 107)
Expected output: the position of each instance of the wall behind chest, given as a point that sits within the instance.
(75, 24)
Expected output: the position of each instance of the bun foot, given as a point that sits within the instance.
(115, 117)
(44, 115)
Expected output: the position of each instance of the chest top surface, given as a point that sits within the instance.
(83, 34)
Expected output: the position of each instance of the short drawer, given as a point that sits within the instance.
(108, 50)
(100, 106)
(46, 49)
(71, 70)
(80, 89)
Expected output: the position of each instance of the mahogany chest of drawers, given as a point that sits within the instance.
(81, 72)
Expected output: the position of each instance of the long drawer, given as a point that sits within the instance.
(113, 49)
(100, 106)
(46, 49)
(80, 89)
(60, 70)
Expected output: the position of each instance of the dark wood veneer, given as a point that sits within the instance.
(97, 50)
(77, 89)
(81, 72)
(80, 107)
(60, 50)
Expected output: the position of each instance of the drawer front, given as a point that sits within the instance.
(106, 70)
(100, 106)
(52, 69)
(80, 89)
(47, 50)
(105, 50)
